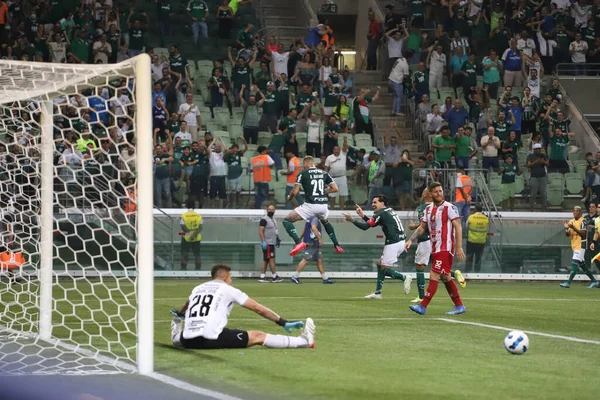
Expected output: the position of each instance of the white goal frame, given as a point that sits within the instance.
(141, 66)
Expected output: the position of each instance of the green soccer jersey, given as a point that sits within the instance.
(314, 182)
(186, 159)
(278, 141)
(563, 40)
(283, 92)
(463, 146)
(81, 49)
(330, 97)
(137, 39)
(234, 161)
(174, 126)
(420, 213)
(471, 70)
(198, 9)
(514, 149)
(509, 172)
(270, 104)
(178, 63)
(202, 168)
(302, 100)
(562, 125)
(417, 8)
(443, 155)
(261, 79)
(558, 147)
(501, 130)
(162, 170)
(390, 225)
(177, 154)
(289, 123)
(554, 93)
(240, 76)
(421, 81)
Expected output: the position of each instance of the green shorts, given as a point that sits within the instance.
(508, 190)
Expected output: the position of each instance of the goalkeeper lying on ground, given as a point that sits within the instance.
(206, 313)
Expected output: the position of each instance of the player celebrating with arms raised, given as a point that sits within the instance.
(317, 184)
(207, 311)
(391, 225)
(445, 232)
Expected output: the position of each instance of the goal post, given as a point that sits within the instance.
(77, 240)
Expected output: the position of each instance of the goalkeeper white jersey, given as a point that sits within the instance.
(209, 308)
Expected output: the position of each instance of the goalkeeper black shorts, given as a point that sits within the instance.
(228, 339)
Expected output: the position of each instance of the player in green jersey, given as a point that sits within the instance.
(392, 228)
(317, 184)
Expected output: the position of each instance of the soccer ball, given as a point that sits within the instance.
(516, 342)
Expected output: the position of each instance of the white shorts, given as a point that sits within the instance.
(235, 185)
(578, 255)
(391, 252)
(342, 184)
(423, 253)
(307, 210)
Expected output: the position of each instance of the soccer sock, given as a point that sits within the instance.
(263, 276)
(331, 233)
(452, 274)
(324, 277)
(295, 274)
(587, 271)
(421, 283)
(393, 274)
(453, 292)
(574, 270)
(291, 230)
(380, 279)
(431, 289)
(284, 342)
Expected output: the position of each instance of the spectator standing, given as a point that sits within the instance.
(443, 146)
(335, 165)
(164, 13)
(199, 179)
(456, 63)
(261, 170)
(374, 36)
(537, 164)
(492, 67)
(235, 169)
(278, 141)
(293, 169)
(270, 106)
(218, 173)
(376, 172)
(490, 144)
(241, 74)
(199, 12)
(225, 17)
(190, 113)
(137, 37)
(500, 36)
(420, 82)
(269, 239)
(178, 63)
(162, 178)
(396, 78)
(509, 171)
(511, 147)
(396, 38)
(456, 117)
(362, 115)
(436, 63)
(330, 135)
(80, 47)
(403, 182)
(578, 50)
(463, 151)
(559, 143)
(476, 237)
(434, 121)
(391, 152)
(513, 75)
(191, 236)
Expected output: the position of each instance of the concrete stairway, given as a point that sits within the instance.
(381, 111)
(287, 19)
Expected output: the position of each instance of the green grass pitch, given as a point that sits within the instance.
(370, 349)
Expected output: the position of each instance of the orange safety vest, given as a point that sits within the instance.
(261, 168)
(10, 260)
(295, 161)
(130, 205)
(467, 187)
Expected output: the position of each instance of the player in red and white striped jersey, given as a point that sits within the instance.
(443, 221)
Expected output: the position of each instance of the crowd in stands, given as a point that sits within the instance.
(476, 84)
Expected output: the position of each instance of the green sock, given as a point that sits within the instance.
(421, 283)
(380, 279)
(452, 274)
(587, 271)
(291, 230)
(574, 270)
(393, 274)
(331, 233)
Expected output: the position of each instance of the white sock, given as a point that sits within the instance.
(285, 342)
(324, 277)
(262, 276)
(295, 274)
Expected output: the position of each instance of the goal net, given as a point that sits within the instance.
(75, 218)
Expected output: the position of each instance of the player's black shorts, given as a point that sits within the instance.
(228, 339)
(198, 185)
(269, 252)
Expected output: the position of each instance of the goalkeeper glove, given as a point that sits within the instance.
(278, 243)
(263, 245)
(288, 325)
(175, 312)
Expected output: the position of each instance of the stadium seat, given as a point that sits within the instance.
(238, 114)
(574, 183)
(359, 194)
(161, 51)
(571, 166)
(496, 193)
(520, 184)
(494, 180)
(222, 116)
(555, 195)
(580, 169)
(204, 64)
(280, 195)
(213, 126)
(556, 179)
(235, 131)
(301, 138)
(192, 68)
(247, 182)
(224, 135)
(264, 138)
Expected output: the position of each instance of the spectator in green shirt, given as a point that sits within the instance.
(198, 11)
(559, 146)
(509, 171)
(463, 151)
(137, 38)
(443, 146)
(80, 47)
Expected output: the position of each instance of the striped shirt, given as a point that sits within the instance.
(462, 42)
(441, 231)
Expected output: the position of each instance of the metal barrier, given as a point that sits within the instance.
(578, 71)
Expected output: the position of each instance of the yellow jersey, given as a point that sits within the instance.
(478, 228)
(577, 242)
(191, 220)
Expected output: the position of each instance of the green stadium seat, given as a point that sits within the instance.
(580, 169)
(161, 51)
(222, 134)
(556, 179)
(494, 180)
(205, 64)
(222, 116)
(247, 183)
(496, 193)
(213, 126)
(555, 195)
(280, 197)
(520, 184)
(264, 138)
(235, 131)
(301, 138)
(574, 183)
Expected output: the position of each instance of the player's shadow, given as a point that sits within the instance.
(200, 354)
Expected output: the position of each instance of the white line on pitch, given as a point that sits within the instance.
(191, 388)
(504, 328)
